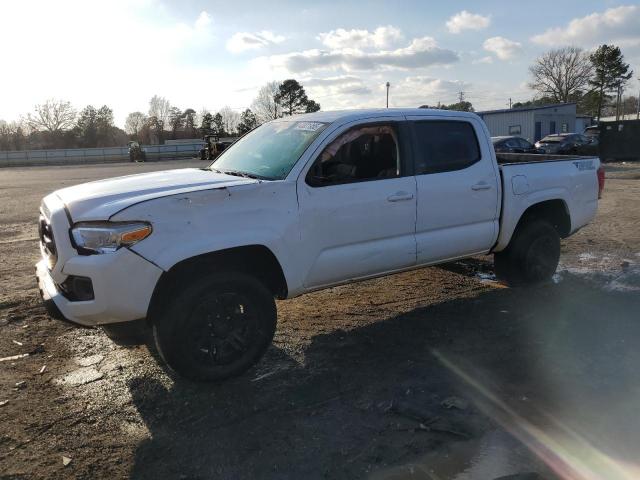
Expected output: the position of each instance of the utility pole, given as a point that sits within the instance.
(510, 104)
(388, 85)
(461, 97)
(619, 103)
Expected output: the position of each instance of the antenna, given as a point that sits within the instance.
(388, 85)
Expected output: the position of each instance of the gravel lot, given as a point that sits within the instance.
(440, 373)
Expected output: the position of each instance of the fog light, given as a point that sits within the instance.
(77, 289)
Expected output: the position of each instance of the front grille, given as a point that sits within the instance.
(47, 242)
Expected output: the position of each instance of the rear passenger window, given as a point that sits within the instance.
(444, 146)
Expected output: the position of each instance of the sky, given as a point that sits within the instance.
(209, 54)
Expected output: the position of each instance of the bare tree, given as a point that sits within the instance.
(201, 115)
(134, 123)
(5, 136)
(561, 73)
(53, 116)
(264, 105)
(230, 119)
(159, 108)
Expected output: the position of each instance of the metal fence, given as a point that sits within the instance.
(78, 156)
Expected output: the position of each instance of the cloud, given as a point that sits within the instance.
(487, 59)
(620, 25)
(330, 81)
(467, 21)
(338, 85)
(381, 37)
(420, 90)
(502, 47)
(243, 41)
(421, 52)
(203, 20)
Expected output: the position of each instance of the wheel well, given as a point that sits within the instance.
(256, 260)
(554, 211)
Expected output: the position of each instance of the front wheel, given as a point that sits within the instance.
(217, 327)
(531, 257)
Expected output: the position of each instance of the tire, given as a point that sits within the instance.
(127, 333)
(531, 257)
(217, 327)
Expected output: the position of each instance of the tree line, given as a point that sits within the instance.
(562, 75)
(57, 124)
(595, 82)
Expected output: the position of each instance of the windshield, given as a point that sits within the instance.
(270, 151)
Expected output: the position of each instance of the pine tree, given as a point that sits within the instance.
(248, 122)
(611, 72)
(207, 123)
(312, 106)
(291, 97)
(218, 125)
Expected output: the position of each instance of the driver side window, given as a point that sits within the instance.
(360, 154)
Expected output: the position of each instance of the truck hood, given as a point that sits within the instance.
(104, 198)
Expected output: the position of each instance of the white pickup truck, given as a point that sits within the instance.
(300, 204)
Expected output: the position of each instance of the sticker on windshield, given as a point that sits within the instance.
(309, 126)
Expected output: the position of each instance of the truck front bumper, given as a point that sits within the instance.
(123, 283)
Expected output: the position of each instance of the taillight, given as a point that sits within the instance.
(600, 181)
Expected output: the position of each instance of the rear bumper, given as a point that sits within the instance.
(123, 283)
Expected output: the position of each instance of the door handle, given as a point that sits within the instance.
(481, 186)
(400, 197)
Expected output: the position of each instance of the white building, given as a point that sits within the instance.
(531, 123)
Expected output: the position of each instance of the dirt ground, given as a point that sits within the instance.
(440, 373)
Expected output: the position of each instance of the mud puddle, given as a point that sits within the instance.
(609, 272)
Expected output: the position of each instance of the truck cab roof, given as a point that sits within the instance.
(360, 114)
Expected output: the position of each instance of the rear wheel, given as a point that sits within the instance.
(531, 257)
(217, 327)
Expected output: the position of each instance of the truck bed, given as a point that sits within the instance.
(528, 179)
(516, 158)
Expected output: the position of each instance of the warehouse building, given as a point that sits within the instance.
(531, 123)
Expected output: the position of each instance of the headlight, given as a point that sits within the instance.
(107, 237)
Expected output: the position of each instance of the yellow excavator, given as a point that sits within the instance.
(212, 147)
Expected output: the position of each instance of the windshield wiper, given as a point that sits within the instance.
(244, 174)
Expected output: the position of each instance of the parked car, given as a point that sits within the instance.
(513, 145)
(300, 204)
(592, 132)
(568, 144)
